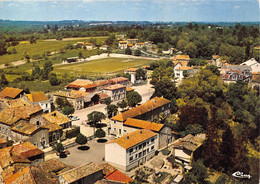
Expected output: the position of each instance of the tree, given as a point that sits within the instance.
(67, 110)
(138, 52)
(122, 104)
(227, 149)
(214, 69)
(59, 147)
(60, 102)
(3, 48)
(80, 54)
(191, 49)
(81, 139)
(140, 176)
(133, 98)
(36, 72)
(3, 81)
(95, 117)
(54, 80)
(165, 88)
(107, 101)
(111, 110)
(128, 51)
(100, 133)
(47, 68)
(140, 74)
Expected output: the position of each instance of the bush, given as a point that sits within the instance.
(68, 110)
(81, 139)
(73, 132)
(100, 133)
(59, 147)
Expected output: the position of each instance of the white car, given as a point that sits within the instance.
(74, 118)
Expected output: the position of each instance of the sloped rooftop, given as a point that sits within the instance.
(133, 138)
(144, 108)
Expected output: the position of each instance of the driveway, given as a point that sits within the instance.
(145, 91)
(94, 154)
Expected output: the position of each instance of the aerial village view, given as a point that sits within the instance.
(129, 92)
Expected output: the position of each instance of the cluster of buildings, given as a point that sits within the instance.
(247, 71)
(133, 44)
(28, 117)
(82, 93)
(25, 163)
(138, 137)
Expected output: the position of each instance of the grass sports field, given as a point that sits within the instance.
(40, 47)
(107, 65)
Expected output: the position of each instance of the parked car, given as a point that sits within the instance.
(74, 118)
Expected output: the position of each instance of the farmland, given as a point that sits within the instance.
(101, 66)
(40, 47)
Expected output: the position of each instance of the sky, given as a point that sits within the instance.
(131, 10)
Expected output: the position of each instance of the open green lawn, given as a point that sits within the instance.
(107, 65)
(35, 86)
(55, 59)
(40, 47)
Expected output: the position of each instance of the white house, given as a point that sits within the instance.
(131, 149)
(41, 99)
(255, 66)
(180, 72)
(164, 133)
(104, 47)
(122, 44)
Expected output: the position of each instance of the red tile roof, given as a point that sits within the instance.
(18, 154)
(119, 80)
(103, 95)
(133, 138)
(10, 92)
(12, 115)
(119, 176)
(143, 124)
(114, 87)
(144, 108)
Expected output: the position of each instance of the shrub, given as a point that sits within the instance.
(73, 132)
(59, 147)
(100, 133)
(81, 139)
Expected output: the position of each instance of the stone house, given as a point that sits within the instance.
(117, 91)
(41, 99)
(56, 122)
(37, 135)
(76, 100)
(87, 174)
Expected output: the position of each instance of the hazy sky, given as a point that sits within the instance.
(131, 10)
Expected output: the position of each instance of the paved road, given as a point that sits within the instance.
(95, 153)
(145, 91)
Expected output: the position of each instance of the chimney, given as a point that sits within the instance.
(127, 137)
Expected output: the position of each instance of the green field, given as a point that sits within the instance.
(35, 86)
(40, 47)
(101, 66)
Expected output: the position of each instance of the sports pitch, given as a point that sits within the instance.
(107, 65)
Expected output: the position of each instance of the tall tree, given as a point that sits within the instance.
(227, 149)
(133, 98)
